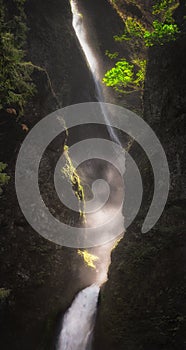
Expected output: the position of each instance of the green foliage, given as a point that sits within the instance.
(125, 77)
(71, 174)
(19, 29)
(165, 9)
(4, 294)
(162, 5)
(4, 178)
(121, 75)
(16, 85)
(111, 55)
(141, 71)
(161, 34)
(15, 74)
(133, 29)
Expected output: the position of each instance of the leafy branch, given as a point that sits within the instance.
(16, 85)
(128, 76)
(4, 178)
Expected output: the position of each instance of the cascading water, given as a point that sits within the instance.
(78, 322)
(77, 22)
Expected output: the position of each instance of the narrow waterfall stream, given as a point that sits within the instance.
(78, 25)
(78, 323)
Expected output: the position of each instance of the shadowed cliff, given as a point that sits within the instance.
(142, 306)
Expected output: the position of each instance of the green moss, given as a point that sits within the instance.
(4, 294)
(71, 174)
(88, 258)
(4, 178)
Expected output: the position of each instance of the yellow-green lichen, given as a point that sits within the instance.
(88, 258)
(71, 174)
(4, 293)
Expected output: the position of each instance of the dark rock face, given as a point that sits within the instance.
(52, 44)
(165, 108)
(41, 278)
(142, 306)
(36, 272)
(102, 23)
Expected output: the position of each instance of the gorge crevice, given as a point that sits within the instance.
(142, 306)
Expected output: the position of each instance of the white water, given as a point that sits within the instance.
(80, 31)
(78, 322)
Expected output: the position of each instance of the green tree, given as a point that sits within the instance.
(161, 33)
(15, 74)
(4, 178)
(16, 85)
(128, 76)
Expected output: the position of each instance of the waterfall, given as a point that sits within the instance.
(78, 322)
(77, 22)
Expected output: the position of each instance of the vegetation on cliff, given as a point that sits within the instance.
(16, 85)
(142, 306)
(128, 76)
(4, 178)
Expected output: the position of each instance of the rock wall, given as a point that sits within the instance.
(52, 44)
(39, 278)
(142, 306)
(102, 23)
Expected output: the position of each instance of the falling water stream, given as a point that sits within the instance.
(79, 320)
(80, 30)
